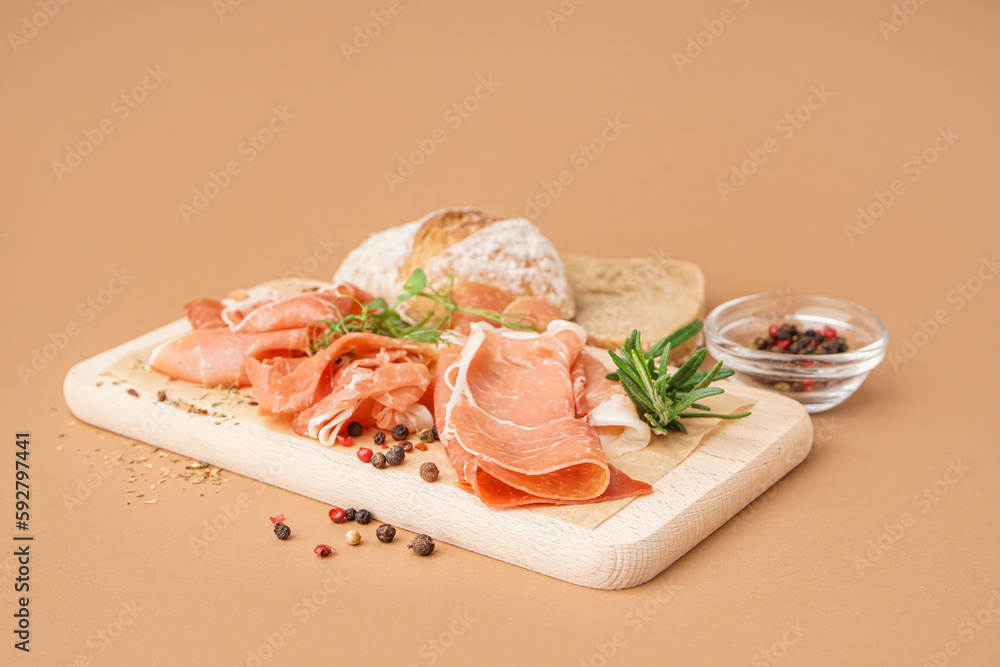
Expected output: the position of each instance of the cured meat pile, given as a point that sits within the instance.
(524, 417)
(511, 411)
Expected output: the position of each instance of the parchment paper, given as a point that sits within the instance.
(220, 404)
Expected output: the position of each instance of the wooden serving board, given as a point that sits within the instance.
(734, 463)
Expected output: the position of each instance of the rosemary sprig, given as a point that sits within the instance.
(378, 317)
(662, 399)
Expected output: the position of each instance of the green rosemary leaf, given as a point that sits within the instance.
(689, 368)
(688, 415)
(662, 398)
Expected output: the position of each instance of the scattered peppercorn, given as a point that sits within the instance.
(395, 455)
(323, 550)
(378, 460)
(425, 435)
(434, 432)
(364, 454)
(400, 432)
(337, 515)
(281, 531)
(353, 537)
(407, 446)
(350, 513)
(354, 429)
(133, 392)
(429, 471)
(345, 440)
(161, 396)
(385, 533)
(363, 517)
(422, 545)
(379, 438)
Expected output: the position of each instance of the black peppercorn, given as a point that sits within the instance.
(429, 471)
(378, 460)
(380, 438)
(385, 533)
(350, 513)
(354, 429)
(395, 455)
(422, 545)
(400, 432)
(363, 517)
(407, 446)
(281, 531)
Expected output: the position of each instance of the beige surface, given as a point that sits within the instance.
(785, 575)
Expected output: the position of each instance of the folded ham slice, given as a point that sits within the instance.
(217, 355)
(507, 409)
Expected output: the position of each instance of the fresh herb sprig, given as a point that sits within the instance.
(378, 317)
(662, 399)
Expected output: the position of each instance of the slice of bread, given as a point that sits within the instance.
(616, 295)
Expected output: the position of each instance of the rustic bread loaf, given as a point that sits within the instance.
(466, 243)
(656, 296)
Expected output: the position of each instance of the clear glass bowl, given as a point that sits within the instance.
(817, 381)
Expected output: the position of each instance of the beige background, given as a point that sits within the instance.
(785, 576)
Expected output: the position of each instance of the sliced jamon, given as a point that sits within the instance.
(204, 313)
(217, 355)
(302, 310)
(312, 380)
(607, 407)
(506, 409)
(370, 391)
(536, 310)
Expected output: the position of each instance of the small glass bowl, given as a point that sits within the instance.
(817, 381)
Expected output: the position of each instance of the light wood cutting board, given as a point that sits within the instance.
(735, 462)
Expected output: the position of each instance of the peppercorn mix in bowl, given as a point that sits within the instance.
(815, 349)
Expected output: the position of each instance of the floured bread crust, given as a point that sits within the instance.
(467, 243)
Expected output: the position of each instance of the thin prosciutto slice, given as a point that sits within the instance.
(313, 379)
(218, 356)
(507, 409)
(370, 391)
